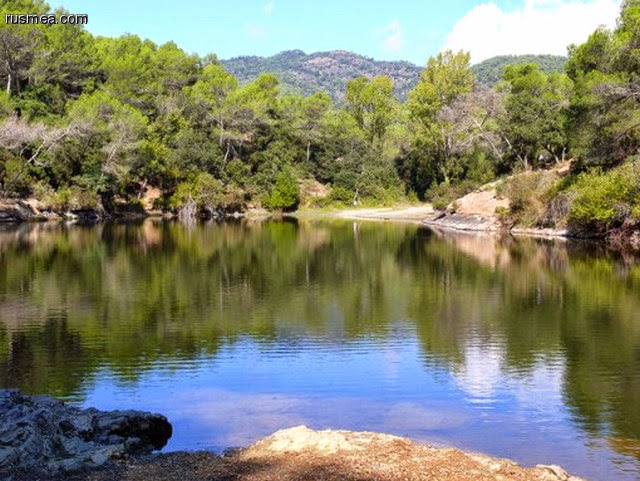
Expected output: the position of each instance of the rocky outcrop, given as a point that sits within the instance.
(365, 455)
(464, 222)
(18, 211)
(43, 435)
(30, 210)
(475, 211)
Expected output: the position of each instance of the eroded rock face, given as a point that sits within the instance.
(42, 434)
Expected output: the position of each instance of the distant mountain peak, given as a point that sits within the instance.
(330, 71)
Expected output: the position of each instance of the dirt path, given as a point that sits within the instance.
(300, 453)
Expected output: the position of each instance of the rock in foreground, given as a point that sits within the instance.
(43, 435)
(303, 454)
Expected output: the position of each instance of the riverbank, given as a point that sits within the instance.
(18, 211)
(478, 211)
(303, 454)
(477, 215)
(412, 213)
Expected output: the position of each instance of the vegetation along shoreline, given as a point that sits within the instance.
(117, 126)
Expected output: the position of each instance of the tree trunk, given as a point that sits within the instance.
(143, 187)
(308, 151)
(226, 154)
(8, 81)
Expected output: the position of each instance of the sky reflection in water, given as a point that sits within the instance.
(523, 349)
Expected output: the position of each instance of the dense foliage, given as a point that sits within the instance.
(489, 72)
(87, 121)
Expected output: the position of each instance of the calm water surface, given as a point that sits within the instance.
(516, 348)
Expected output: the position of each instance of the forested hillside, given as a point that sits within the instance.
(489, 72)
(329, 72)
(89, 121)
(323, 71)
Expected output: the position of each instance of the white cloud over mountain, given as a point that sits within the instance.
(536, 27)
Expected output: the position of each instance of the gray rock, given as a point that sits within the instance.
(465, 222)
(43, 435)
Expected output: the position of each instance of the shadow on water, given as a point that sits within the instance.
(76, 301)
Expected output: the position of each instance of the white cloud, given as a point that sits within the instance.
(269, 6)
(481, 374)
(394, 39)
(537, 27)
(256, 32)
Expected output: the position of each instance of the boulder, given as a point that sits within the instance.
(39, 434)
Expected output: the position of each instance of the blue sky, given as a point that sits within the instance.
(400, 29)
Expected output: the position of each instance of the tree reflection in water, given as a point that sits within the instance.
(76, 300)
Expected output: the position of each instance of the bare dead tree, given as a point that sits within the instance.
(29, 142)
(470, 121)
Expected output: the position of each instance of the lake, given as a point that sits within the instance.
(518, 348)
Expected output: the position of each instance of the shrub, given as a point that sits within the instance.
(68, 198)
(285, 194)
(601, 199)
(341, 195)
(233, 199)
(204, 190)
(528, 194)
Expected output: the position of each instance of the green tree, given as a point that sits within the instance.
(109, 141)
(605, 113)
(210, 95)
(313, 120)
(536, 110)
(130, 70)
(19, 44)
(204, 192)
(74, 67)
(445, 78)
(372, 105)
(285, 194)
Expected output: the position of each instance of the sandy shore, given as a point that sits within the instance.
(476, 214)
(300, 453)
(415, 213)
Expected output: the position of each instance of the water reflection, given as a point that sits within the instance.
(237, 329)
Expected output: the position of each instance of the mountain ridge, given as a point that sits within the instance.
(329, 71)
(302, 73)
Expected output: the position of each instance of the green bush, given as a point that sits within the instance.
(204, 190)
(285, 194)
(601, 199)
(340, 195)
(68, 198)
